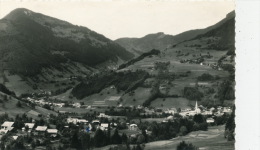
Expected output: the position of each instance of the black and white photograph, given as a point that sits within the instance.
(118, 75)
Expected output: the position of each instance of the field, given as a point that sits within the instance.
(141, 94)
(213, 139)
(11, 109)
(172, 103)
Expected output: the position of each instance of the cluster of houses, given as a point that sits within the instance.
(98, 124)
(7, 126)
(219, 111)
(42, 102)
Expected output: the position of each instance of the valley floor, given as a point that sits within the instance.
(213, 139)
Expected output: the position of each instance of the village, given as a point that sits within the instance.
(54, 129)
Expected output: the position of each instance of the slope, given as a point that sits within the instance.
(162, 41)
(31, 41)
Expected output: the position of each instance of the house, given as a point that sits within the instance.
(59, 104)
(103, 126)
(103, 115)
(227, 110)
(140, 107)
(210, 120)
(29, 125)
(169, 111)
(95, 121)
(72, 120)
(207, 113)
(77, 105)
(6, 126)
(40, 130)
(52, 132)
(83, 121)
(133, 127)
(15, 137)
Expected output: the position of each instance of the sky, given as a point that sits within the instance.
(120, 18)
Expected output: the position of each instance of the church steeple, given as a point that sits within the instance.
(196, 108)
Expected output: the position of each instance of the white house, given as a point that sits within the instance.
(76, 105)
(103, 126)
(95, 121)
(41, 130)
(227, 110)
(210, 120)
(84, 121)
(59, 104)
(133, 127)
(169, 111)
(52, 132)
(72, 120)
(103, 115)
(6, 126)
(207, 113)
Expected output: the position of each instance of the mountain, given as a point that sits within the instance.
(147, 43)
(225, 34)
(162, 41)
(32, 41)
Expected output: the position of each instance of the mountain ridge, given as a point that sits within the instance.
(39, 41)
(147, 43)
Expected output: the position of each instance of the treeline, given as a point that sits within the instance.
(150, 53)
(123, 81)
(5, 90)
(206, 77)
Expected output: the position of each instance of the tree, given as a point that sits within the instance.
(184, 146)
(18, 104)
(99, 138)
(124, 138)
(198, 118)
(145, 135)
(183, 130)
(85, 141)
(116, 138)
(140, 139)
(75, 142)
(138, 147)
(230, 126)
